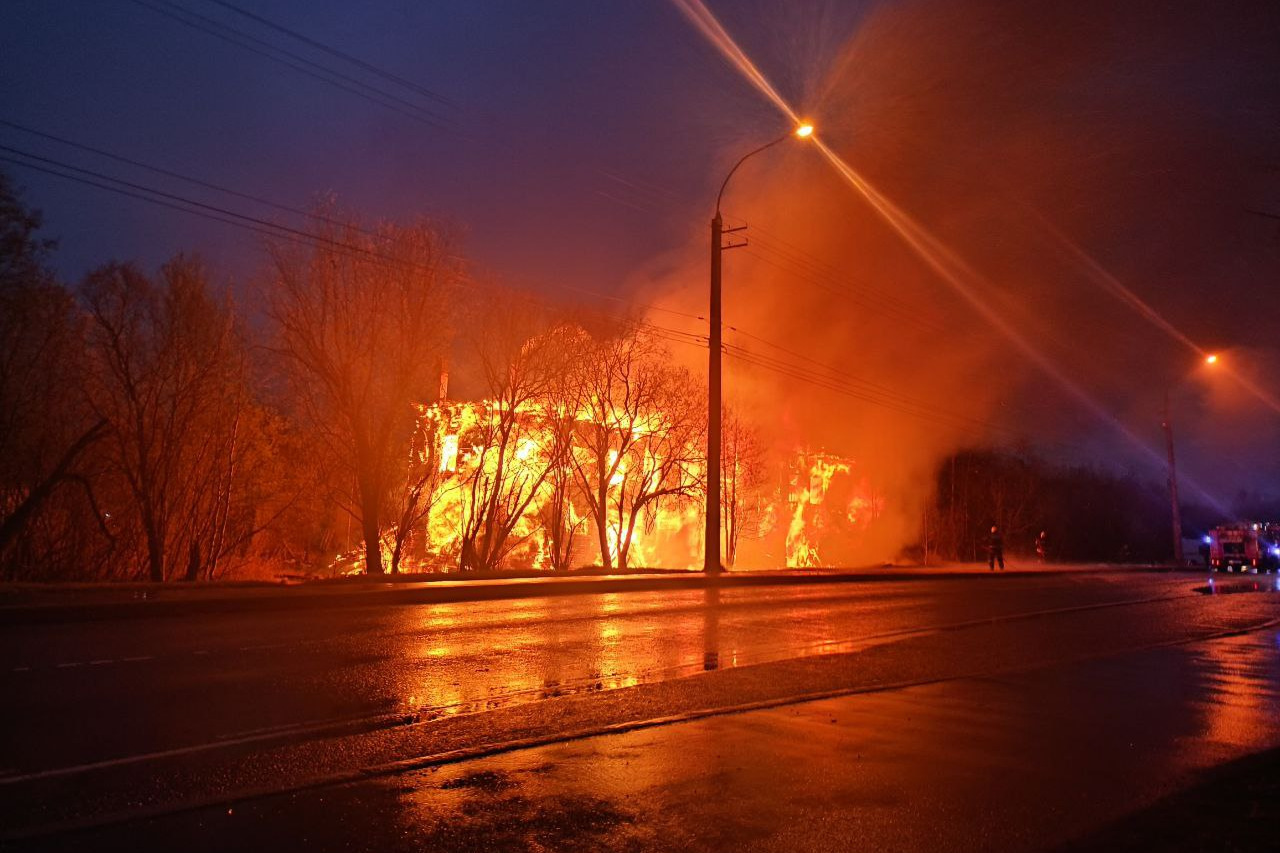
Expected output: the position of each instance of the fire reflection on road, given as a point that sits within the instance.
(465, 658)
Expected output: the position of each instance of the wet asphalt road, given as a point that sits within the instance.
(983, 713)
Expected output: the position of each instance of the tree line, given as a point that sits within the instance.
(1087, 514)
(154, 428)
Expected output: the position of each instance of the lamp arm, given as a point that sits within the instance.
(745, 157)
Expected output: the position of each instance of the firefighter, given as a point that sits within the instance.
(995, 549)
(1042, 546)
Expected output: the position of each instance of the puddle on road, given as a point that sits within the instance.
(1231, 587)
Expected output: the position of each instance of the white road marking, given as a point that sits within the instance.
(256, 735)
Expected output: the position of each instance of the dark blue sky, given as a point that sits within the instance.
(557, 110)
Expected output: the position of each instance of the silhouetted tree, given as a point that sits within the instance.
(1089, 515)
(639, 437)
(47, 504)
(166, 372)
(360, 318)
(742, 475)
(523, 355)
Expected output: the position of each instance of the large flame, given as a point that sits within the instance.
(810, 513)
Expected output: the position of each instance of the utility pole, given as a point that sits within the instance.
(711, 545)
(715, 408)
(711, 535)
(1173, 484)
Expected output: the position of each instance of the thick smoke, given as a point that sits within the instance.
(1136, 132)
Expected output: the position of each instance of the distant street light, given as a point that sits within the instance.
(711, 558)
(1178, 557)
(1167, 423)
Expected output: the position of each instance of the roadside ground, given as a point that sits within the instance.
(24, 603)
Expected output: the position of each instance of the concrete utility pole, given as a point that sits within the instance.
(715, 342)
(711, 546)
(1173, 485)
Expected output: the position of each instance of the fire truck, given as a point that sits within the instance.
(1244, 547)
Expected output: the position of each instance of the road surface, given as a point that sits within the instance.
(992, 712)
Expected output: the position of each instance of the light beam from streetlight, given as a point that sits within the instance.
(950, 268)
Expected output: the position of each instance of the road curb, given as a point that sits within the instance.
(393, 594)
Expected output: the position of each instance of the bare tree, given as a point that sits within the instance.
(516, 445)
(411, 503)
(639, 438)
(742, 477)
(360, 317)
(559, 515)
(46, 433)
(165, 373)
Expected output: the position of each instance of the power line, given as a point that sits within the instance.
(332, 51)
(172, 200)
(903, 404)
(841, 382)
(264, 227)
(810, 270)
(820, 364)
(798, 274)
(137, 195)
(917, 410)
(267, 229)
(834, 277)
(323, 73)
(614, 298)
(854, 378)
(181, 177)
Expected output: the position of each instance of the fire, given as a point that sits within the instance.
(807, 514)
(827, 505)
(449, 454)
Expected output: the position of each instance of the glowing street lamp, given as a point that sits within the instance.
(1167, 424)
(711, 556)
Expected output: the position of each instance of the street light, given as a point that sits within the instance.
(1167, 423)
(711, 556)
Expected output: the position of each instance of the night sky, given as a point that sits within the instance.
(551, 106)
(581, 144)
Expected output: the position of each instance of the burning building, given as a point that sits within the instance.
(537, 488)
